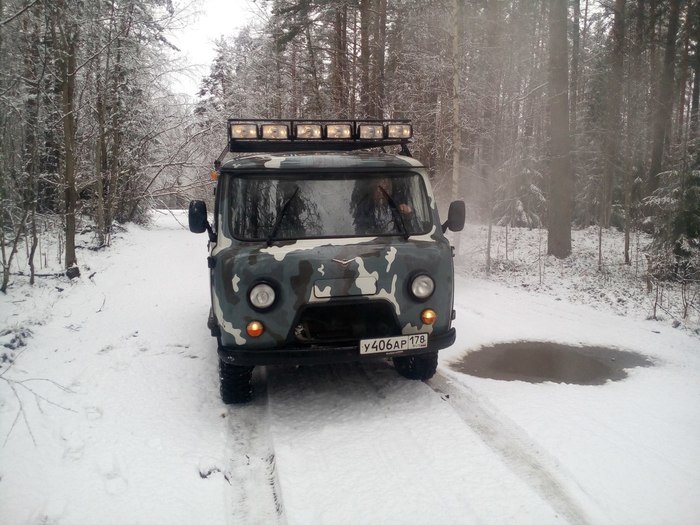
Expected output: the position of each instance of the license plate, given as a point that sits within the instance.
(393, 344)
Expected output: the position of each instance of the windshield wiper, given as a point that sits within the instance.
(395, 212)
(276, 227)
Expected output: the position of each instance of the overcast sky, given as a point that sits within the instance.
(216, 18)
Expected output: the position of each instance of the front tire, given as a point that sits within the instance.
(419, 367)
(235, 383)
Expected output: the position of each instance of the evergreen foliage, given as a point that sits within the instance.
(675, 221)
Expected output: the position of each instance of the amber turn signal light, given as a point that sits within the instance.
(428, 316)
(255, 329)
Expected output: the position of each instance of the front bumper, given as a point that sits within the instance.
(317, 354)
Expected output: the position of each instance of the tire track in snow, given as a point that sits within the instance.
(348, 432)
(526, 460)
(255, 496)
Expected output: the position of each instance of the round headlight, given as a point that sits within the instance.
(262, 296)
(422, 286)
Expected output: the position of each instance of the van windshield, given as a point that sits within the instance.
(328, 205)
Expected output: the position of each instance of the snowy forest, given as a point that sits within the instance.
(553, 114)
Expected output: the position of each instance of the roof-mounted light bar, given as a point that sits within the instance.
(269, 135)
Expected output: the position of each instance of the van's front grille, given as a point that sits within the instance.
(326, 323)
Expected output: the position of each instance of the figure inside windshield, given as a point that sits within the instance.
(379, 208)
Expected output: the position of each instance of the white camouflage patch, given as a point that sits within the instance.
(390, 257)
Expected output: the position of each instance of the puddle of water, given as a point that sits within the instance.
(537, 362)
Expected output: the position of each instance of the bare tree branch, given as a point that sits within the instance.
(19, 13)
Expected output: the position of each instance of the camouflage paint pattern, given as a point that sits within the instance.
(317, 271)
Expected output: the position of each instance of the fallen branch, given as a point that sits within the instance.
(20, 412)
(103, 304)
(22, 274)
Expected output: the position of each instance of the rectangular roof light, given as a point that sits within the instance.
(339, 131)
(371, 131)
(244, 131)
(308, 131)
(399, 131)
(275, 131)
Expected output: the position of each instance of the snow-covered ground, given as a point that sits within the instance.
(518, 259)
(109, 408)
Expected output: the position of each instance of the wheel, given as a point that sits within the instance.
(236, 383)
(417, 366)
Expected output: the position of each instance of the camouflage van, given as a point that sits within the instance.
(324, 250)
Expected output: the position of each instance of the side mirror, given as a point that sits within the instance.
(198, 217)
(455, 217)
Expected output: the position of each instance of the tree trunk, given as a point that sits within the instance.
(695, 97)
(352, 71)
(365, 86)
(100, 157)
(277, 98)
(683, 79)
(378, 59)
(103, 215)
(611, 137)
(7, 261)
(490, 143)
(318, 103)
(122, 28)
(695, 100)
(458, 7)
(664, 102)
(68, 49)
(635, 125)
(32, 80)
(575, 56)
(339, 61)
(560, 181)
(294, 80)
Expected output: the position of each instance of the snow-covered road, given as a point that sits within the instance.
(110, 414)
(356, 444)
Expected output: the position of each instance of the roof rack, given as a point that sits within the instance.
(281, 135)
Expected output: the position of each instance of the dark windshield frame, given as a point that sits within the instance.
(330, 174)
